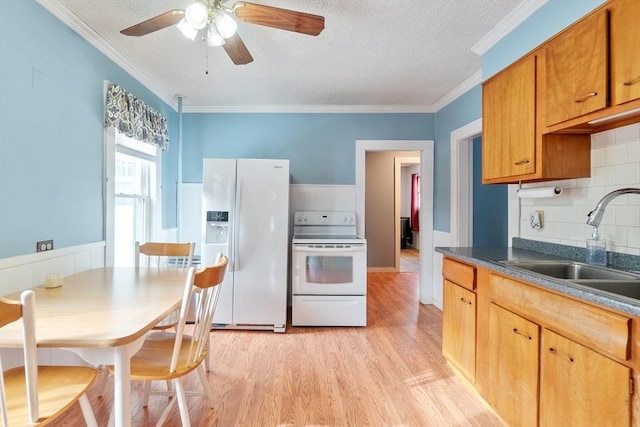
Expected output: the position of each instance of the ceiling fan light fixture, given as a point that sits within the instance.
(213, 37)
(187, 30)
(196, 15)
(225, 24)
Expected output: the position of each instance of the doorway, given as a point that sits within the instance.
(426, 153)
(407, 208)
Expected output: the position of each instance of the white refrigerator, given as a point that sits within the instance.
(245, 205)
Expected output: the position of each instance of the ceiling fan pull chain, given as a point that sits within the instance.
(206, 60)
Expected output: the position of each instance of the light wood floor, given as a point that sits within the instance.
(409, 260)
(390, 373)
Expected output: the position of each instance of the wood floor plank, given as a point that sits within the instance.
(390, 373)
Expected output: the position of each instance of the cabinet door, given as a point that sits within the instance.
(513, 367)
(579, 387)
(508, 130)
(459, 328)
(625, 50)
(576, 70)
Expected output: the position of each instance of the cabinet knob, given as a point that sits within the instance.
(587, 96)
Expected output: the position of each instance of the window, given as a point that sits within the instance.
(132, 196)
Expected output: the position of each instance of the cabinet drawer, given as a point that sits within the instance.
(459, 273)
(593, 326)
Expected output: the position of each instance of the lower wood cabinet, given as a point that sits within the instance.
(513, 367)
(459, 328)
(579, 387)
(538, 357)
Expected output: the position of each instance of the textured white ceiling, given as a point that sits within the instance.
(404, 53)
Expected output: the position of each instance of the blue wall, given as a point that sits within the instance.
(51, 132)
(458, 113)
(489, 206)
(320, 147)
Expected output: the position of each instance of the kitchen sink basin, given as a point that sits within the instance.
(627, 288)
(603, 279)
(572, 270)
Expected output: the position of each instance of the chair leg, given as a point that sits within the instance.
(147, 390)
(205, 384)
(165, 413)
(182, 403)
(87, 411)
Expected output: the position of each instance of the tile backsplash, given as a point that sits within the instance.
(615, 163)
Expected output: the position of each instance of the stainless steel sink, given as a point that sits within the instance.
(598, 278)
(627, 288)
(572, 270)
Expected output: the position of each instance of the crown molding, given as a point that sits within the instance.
(504, 27)
(90, 35)
(463, 88)
(356, 109)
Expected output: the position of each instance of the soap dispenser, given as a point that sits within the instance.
(596, 249)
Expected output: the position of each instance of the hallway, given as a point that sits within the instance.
(409, 260)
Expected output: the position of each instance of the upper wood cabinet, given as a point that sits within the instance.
(625, 51)
(539, 112)
(508, 129)
(513, 148)
(577, 70)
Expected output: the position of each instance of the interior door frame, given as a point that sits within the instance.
(426, 148)
(461, 228)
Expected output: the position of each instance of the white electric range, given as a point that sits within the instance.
(329, 270)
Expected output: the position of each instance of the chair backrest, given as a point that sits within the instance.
(165, 254)
(205, 283)
(11, 311)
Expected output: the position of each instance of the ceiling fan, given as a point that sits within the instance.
(220, 28)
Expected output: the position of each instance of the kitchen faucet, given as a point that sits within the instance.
(595, 216)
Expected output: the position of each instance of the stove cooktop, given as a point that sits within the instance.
(328, 238)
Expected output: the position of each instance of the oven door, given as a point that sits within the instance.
(329, 269)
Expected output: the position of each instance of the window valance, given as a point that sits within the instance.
(134, 118)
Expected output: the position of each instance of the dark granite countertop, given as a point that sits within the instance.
(490, 258)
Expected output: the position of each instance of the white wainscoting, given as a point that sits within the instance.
(27, 271)
(444, 239)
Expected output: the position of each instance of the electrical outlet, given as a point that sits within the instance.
(44, 245)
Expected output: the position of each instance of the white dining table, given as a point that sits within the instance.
(102, 315)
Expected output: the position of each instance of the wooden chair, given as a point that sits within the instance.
(37, 395)
(170, 356)
(165, 255)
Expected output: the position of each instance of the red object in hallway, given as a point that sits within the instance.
(415, 201)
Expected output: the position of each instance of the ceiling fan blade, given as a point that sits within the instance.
(156, 23)
(237, 51)
(283, 19)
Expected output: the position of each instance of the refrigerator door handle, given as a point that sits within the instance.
(236, 226)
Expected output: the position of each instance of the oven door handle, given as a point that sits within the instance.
(329, 249)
